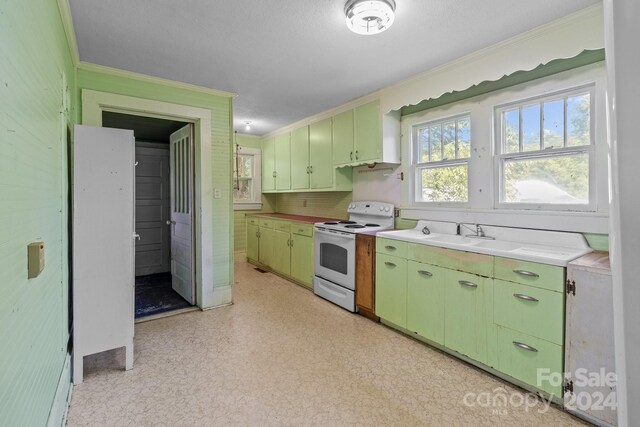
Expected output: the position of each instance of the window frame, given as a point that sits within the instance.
(501, 156)
(417, 168)
(256, 202)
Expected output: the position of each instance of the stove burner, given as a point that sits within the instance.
(347, 222)
(354, 226)
(372, 225)
(331, 223)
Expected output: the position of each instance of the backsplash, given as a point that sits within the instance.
(330, 204)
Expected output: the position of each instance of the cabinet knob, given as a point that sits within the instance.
(356, 154)
(351, 156)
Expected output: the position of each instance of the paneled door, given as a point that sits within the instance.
(153, 250)
(181, 222)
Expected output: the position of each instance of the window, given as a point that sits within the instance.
(246, 179)
(545, 152)
(442, 149)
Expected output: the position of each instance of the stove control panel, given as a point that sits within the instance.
(371, 208)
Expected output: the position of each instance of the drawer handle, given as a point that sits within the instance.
(526, 273)
(389, 264)
(525, 347)
(467, 283)
(390, 248)
(425, 273)
(300, 230)
(525, 297)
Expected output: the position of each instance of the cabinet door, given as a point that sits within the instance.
(281, 255)
(265, 246)
(283, 162)
(320, 157)
(465, 314)
(391, 289)
(302, 262)
(253, 242)
(300, 159)
(268, 165)
(367, 132)
(365, 256)
(343, 138)
(425, 300)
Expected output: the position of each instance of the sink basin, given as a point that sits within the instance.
(498, 245)
(456, 240)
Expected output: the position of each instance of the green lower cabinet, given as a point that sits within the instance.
(531, 360)
(280, 258)
(425, 300)
(265, 250)
(391, 289)
(302, 261)
(466, 313)
(253, 242)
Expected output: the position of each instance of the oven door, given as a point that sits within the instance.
(336, 257)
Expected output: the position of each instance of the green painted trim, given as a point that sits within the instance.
(62, 398)
(598, 242)
(101, 69)
(69, 31)
(586, 57)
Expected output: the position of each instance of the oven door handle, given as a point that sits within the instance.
(339, 234)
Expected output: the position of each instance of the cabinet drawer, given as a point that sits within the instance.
(302, 229)
(534, 311)
(448, 258)
(530, 273)
(266, 223)
(282, 226)
(523, 356)
(253, 220)
(391, 247)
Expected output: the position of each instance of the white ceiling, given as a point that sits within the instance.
(289, 59)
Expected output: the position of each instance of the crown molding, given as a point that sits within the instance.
(69, 31)
(87, 66)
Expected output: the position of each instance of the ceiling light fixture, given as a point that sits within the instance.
(369, 16)
(247, 125)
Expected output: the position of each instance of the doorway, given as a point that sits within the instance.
(164, 282)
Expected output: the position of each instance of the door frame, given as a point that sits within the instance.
(93, 105)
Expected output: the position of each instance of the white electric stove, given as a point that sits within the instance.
(335, 250)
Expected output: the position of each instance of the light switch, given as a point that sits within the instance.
(35, 259)
(217, 193)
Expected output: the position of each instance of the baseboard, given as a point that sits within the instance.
(62, 399)
(240, 256)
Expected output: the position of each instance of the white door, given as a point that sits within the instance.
(152, 210)
(103, 248)
(181, 222)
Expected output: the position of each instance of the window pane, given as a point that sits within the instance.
(443, 184)
(554, 124)
(245, 166)
(555, 180)
(449, 140)
(531, 127)
(578, 120)
(436, 143)
(512, 131)
(245, 192)
(423, 145)
(464, 138)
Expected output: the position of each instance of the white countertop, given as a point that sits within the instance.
(546, 247)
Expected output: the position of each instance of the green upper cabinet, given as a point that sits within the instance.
(366, 135)
(320, 157)
(268, 165)
(300, 159)
(343, 138)
(367, 130)
(283, 161)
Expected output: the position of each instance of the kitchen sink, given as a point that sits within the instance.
(498, 245)
(457, 240)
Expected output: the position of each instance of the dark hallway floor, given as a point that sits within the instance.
(154, 295)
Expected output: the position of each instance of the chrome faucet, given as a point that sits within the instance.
(479, 233)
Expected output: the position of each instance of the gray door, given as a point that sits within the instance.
(152, 211)
(181, 222)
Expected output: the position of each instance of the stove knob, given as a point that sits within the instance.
(386, 209)
(381, 208)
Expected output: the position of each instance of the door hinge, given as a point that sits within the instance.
(568, 386)
(571, 287)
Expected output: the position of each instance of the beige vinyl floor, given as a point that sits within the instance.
(282, 356)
